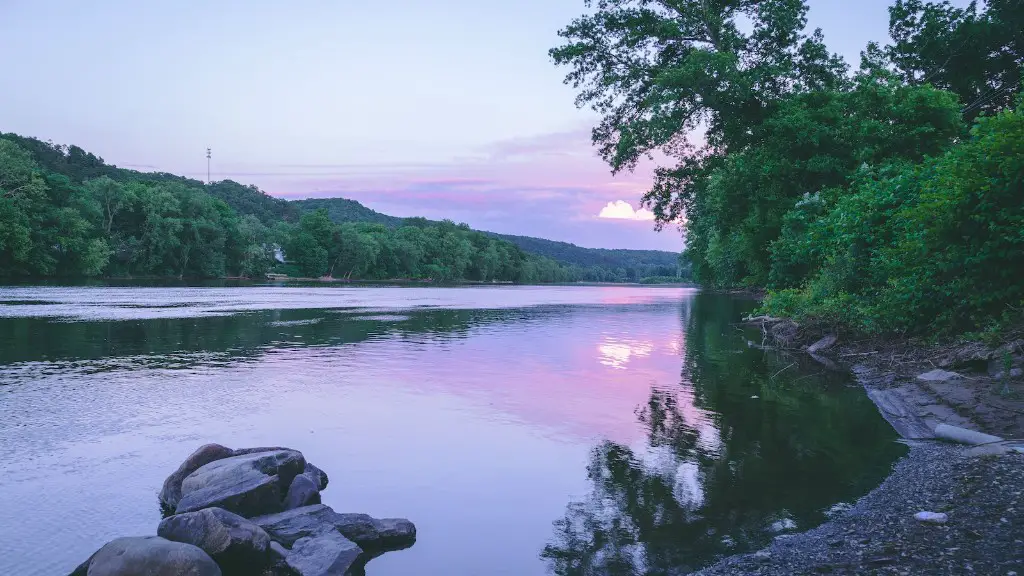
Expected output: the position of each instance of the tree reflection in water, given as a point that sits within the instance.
(720, 471)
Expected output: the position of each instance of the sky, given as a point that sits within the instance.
(443, 109)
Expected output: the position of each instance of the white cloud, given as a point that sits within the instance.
(621, 210)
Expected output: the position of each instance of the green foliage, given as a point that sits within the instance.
(591, 264)
(64, 212)
(859, 199)
(937, 244)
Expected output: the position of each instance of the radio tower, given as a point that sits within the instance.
(207, 166)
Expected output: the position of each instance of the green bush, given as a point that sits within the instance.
(937, 246)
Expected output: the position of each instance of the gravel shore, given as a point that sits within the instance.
(984, 534)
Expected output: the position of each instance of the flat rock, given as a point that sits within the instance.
(325, 554)
(368, 532)
(937, 375)
(239, 546)
(248, 484)
(170, 494)
(291, 525)
(149, 556)
(395, 533)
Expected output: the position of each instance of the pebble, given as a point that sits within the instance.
(931, 517)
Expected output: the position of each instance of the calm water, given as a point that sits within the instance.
(564, 430)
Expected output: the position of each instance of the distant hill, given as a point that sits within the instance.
(345, 210)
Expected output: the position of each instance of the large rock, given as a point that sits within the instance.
(368, 532)
(239, 546)
(290, 526)
(149, 556)
(302, 492)
(325, 554)
(170, 494)
(318, 476)
(248, 484)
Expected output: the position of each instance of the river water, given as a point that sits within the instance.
(525, 430)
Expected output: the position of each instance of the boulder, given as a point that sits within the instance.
(238, 545)
(302, 492)
(248, 484)
(170, 494)
(291, 525)
(149, 555)
(325, 554)
(318, 476)
(395, 533)
(368, 532)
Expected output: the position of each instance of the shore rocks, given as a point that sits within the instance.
(238, 545)
(325, 554)
(302, 492)
(149, 555)
(249, 484)
(170, 494)
(937, 375)
(369, 533)
(249, 511)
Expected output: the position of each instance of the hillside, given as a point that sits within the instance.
(345, 210)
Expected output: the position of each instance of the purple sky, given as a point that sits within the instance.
(444, 109)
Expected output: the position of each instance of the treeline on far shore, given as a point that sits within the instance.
(66, 213)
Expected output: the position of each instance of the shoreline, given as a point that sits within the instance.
(979, 488)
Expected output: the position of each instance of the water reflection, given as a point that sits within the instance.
(616, 353)
(474, 421)
(719, 470)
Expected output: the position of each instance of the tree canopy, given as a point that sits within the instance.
(763, 137)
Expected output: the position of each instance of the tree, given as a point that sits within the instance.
(111, 196)
(979, 56)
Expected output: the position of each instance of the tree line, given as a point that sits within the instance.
(885, 198)
(64, 212)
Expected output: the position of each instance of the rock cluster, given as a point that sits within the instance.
(253, 511)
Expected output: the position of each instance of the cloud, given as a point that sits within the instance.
(621, 210)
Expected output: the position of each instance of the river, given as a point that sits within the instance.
(525, 430)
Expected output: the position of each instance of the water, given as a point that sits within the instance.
(564, 430)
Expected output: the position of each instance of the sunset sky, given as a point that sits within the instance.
(444, 109)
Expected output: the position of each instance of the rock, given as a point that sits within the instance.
(395, 533)
(170, 494)
(824, 344)
(239, 546)
(368, 532)
(931, 517)
(937, 375)
(783, 525)
(278, 562)
(325, 554)
(302, 492)
(762, 556)
(964, 436)
(277, 551)
(249, 484)
(150, 556)
(318, 476)
(292, 525)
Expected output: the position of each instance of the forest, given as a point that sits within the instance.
(884, 199)
(64, 212)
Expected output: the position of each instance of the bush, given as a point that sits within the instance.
(937, 246)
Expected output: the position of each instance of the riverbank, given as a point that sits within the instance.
(917, 387)
(984, 534)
